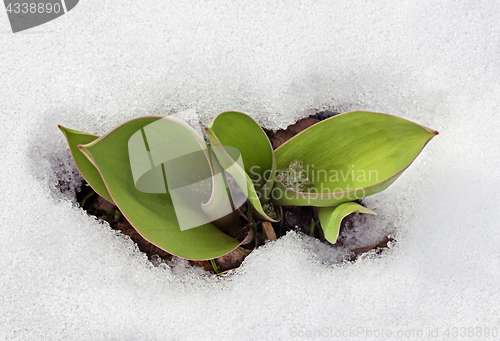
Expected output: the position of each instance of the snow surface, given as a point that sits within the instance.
(66, 276)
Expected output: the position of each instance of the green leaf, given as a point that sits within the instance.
(88, 170)
(151, 210)
(349, 156)
(330, 218)
(240, 131)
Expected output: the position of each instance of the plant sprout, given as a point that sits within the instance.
(329, 165)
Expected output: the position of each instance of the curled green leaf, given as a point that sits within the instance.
(330, 218)
(135, 171)
(239, 131)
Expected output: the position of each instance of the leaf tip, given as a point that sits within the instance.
(366, 210)
(432, 131)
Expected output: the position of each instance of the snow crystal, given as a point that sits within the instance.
(66, 275)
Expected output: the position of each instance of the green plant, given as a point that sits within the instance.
(328, 165)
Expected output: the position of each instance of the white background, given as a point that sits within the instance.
(63, 275)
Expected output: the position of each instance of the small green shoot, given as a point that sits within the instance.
(214, 266)
(87, 196)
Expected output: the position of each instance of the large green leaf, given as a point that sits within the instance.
(153, 214)
(350, 156)
(88, 170)
(330, 218)
(237, 130)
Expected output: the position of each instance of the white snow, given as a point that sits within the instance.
(66, 276)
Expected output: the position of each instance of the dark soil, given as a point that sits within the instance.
(298, 218)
